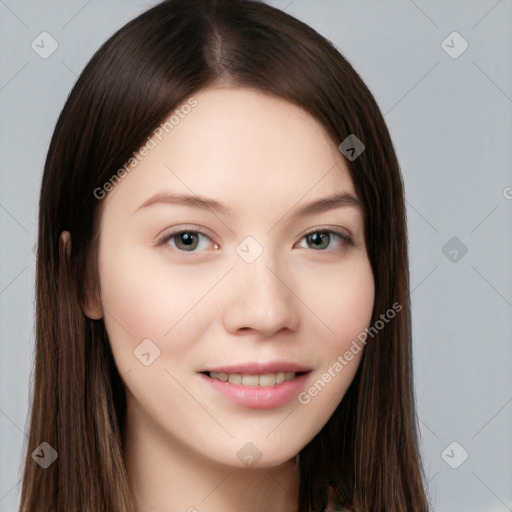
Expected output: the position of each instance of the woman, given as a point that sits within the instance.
(199, 347)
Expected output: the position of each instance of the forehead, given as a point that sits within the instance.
(244, 147)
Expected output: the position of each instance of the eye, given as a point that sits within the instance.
(321, 238)
(189, 240)
(186, 240)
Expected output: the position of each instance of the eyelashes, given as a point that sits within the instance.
(319, 235)
(187, 238)
(318, 240)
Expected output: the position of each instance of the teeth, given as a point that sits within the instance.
(235, 378)
(250, 380)
(269, 379)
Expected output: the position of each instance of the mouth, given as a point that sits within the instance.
(257, 386)
(256, 380)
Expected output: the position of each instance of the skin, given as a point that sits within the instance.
(265, 158)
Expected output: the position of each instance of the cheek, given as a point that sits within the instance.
(345, 305)
(143, 299)
(343, 299)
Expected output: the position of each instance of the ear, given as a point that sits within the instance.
(91, 304)
(90, 300)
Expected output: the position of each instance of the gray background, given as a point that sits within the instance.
(450, 122)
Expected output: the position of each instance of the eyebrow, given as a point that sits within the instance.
(204, 203)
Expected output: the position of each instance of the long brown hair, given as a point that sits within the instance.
(367, 454)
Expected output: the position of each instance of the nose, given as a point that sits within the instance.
(260, 299)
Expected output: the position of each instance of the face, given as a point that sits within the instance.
(254, 285)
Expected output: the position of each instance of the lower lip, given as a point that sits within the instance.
(259, 397)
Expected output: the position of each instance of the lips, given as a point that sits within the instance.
(265, 390)
(258, 385)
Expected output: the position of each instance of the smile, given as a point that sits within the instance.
(256, 390)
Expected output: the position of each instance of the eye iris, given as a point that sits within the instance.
(187, 239)
(316, 238)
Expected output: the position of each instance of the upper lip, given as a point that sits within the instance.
(259, 368)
